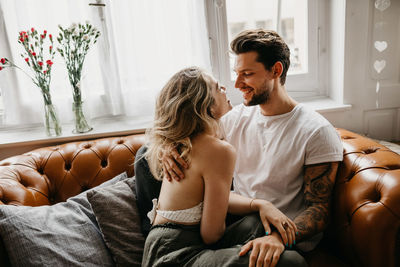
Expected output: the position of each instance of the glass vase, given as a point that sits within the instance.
(51, 121)
(81, 124)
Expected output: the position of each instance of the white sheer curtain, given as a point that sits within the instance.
(154, 39)
(143, 43)
(23, 101)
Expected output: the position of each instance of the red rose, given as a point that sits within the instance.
(3, 61)
(49, 62)
(44, 32)
(51, 48)
(32, 29)
(40, 63)
(50, 36)
(21, 39)
(42, 36)
(33, 54)
(44, 72)
(1, 68)
(26, 59)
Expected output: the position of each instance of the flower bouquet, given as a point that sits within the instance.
(74, 45)
(34, 55)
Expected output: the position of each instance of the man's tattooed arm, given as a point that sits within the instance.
(319, 180)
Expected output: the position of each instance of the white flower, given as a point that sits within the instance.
(78, 85)
(72, 27)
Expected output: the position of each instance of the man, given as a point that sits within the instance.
(287, 153)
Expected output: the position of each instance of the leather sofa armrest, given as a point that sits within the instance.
(366, 203)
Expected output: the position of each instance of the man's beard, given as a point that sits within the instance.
(261, 98)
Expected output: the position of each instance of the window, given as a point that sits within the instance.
(142, 44)
(299, 22)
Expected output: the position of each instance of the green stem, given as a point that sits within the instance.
(81, 124)
(15, 66)
(51, 120)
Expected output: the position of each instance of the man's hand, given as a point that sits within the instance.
(319, 180)
(270, 214)
(266, 250)
(173, 164)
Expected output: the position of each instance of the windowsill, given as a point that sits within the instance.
(105, 127)
(119, 126)
(325, 105)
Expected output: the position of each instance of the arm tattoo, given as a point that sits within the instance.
(319, 180)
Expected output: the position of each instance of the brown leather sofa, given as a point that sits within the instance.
(365, 219)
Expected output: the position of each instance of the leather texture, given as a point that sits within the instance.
(366, 202)
(365, 219)
(49, 175)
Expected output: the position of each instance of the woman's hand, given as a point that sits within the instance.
(270, 214)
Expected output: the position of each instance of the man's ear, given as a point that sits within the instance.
(277, 69)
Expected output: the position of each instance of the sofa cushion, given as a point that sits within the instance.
(118, 217)
(64, 234)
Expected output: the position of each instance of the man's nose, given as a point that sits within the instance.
(239, 81)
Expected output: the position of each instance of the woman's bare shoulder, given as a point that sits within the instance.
(212, 148)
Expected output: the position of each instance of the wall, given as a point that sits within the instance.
(375, 113)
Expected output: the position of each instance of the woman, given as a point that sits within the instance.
(190, 213)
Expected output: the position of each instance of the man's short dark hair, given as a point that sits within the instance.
(269, 46)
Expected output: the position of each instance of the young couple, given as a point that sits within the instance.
(283, 158)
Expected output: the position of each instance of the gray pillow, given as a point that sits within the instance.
(64, 234)
(118, 217)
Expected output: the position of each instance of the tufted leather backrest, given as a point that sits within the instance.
(366, 202)
(49, 175)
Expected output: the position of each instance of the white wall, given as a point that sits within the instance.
(374, 114)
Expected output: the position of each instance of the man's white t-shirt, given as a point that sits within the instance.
(273, 150)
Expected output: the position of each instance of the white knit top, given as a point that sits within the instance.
(191, 215)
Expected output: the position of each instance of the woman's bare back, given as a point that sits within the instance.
(206, 151)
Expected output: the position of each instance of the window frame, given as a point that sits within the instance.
(301, 86)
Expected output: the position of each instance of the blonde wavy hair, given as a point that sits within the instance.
(183, 110)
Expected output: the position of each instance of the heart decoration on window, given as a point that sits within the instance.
(380, 45)
(379, 65)
(382, 4)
